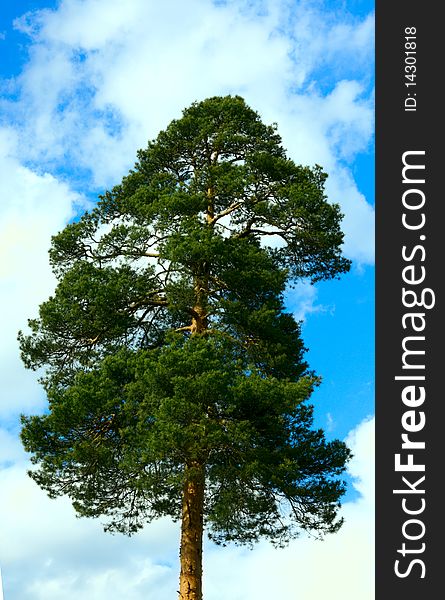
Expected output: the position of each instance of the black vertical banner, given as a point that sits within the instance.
(410, 401)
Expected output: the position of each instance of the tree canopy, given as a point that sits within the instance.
(175, 377)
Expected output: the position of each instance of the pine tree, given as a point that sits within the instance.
(175, 377)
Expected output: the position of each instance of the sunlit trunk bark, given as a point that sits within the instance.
(190, 580)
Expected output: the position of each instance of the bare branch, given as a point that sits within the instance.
(225, 212)
(185, 328)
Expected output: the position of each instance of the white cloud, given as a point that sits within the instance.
(32, 208)
(361, 468)
(302, 301)
(358, 222)
(11, 451)
(104, 77)
(337, 40)
(70, 558)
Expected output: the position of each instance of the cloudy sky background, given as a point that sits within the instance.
(83, 84)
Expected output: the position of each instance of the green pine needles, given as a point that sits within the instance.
(175, 376)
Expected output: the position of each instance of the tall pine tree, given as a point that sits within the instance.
(175, 377)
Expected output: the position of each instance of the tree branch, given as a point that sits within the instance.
(225, 212)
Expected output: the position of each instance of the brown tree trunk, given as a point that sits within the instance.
(190, 580)
(190, 554)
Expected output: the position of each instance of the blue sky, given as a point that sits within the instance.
(83, 85)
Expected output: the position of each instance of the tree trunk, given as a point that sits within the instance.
(190, 580)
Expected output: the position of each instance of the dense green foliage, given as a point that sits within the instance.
(167, 348)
